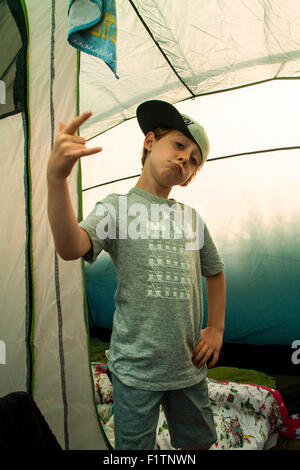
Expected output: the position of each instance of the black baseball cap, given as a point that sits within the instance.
(156, 113)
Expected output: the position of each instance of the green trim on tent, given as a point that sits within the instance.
(79, 175)
(30, 307)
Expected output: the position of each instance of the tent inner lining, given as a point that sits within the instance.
(160, 49)
(209, 160)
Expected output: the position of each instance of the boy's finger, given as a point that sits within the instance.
(74, 125)
(198, 348)
(214, 360)
(76, 139)
(85, 152)
(61, 126)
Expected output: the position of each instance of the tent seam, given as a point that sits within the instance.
(56, 265)
(160, 49)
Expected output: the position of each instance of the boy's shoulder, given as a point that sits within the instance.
(117, 200)
(112, 198)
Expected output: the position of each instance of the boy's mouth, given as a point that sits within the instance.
(178, 167)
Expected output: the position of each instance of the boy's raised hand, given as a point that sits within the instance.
(68, 148)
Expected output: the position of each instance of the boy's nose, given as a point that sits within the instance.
(183, 157)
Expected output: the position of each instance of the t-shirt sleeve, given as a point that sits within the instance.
(210, 259)
(100, 225)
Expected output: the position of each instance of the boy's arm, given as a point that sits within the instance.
(70, 240)
(212, 336)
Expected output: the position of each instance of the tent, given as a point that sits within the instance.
(177, 51)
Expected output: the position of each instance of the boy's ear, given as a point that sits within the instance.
(149, 139)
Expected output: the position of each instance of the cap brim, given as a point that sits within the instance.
(155, 113)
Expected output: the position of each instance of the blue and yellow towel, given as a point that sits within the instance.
(93, 29)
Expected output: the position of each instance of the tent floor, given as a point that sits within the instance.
(274, 360)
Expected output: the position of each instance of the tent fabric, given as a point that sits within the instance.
(258, 233)
(176, 50)
(14, 298)
(169, 50)
(58, 316)
(58, 303)
(101, 285)
(13, 57)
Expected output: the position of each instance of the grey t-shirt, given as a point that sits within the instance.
(160, 249)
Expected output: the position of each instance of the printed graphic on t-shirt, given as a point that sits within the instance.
(169, 273)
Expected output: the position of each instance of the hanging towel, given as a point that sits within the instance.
(93, 29)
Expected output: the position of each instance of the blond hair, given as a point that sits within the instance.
(158, 134)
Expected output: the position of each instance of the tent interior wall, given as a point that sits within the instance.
(242, 82)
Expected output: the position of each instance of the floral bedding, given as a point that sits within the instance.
(247, 417)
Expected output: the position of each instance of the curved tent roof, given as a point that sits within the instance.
(178, 50)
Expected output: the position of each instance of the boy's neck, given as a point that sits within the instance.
(153, 188)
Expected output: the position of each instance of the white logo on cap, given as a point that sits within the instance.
(187, 121)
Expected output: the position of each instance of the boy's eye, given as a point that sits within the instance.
(180, 145)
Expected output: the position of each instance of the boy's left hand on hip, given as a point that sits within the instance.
(208, 347)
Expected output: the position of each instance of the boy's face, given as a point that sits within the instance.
(173, 158)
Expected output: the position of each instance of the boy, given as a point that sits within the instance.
(158, 352)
